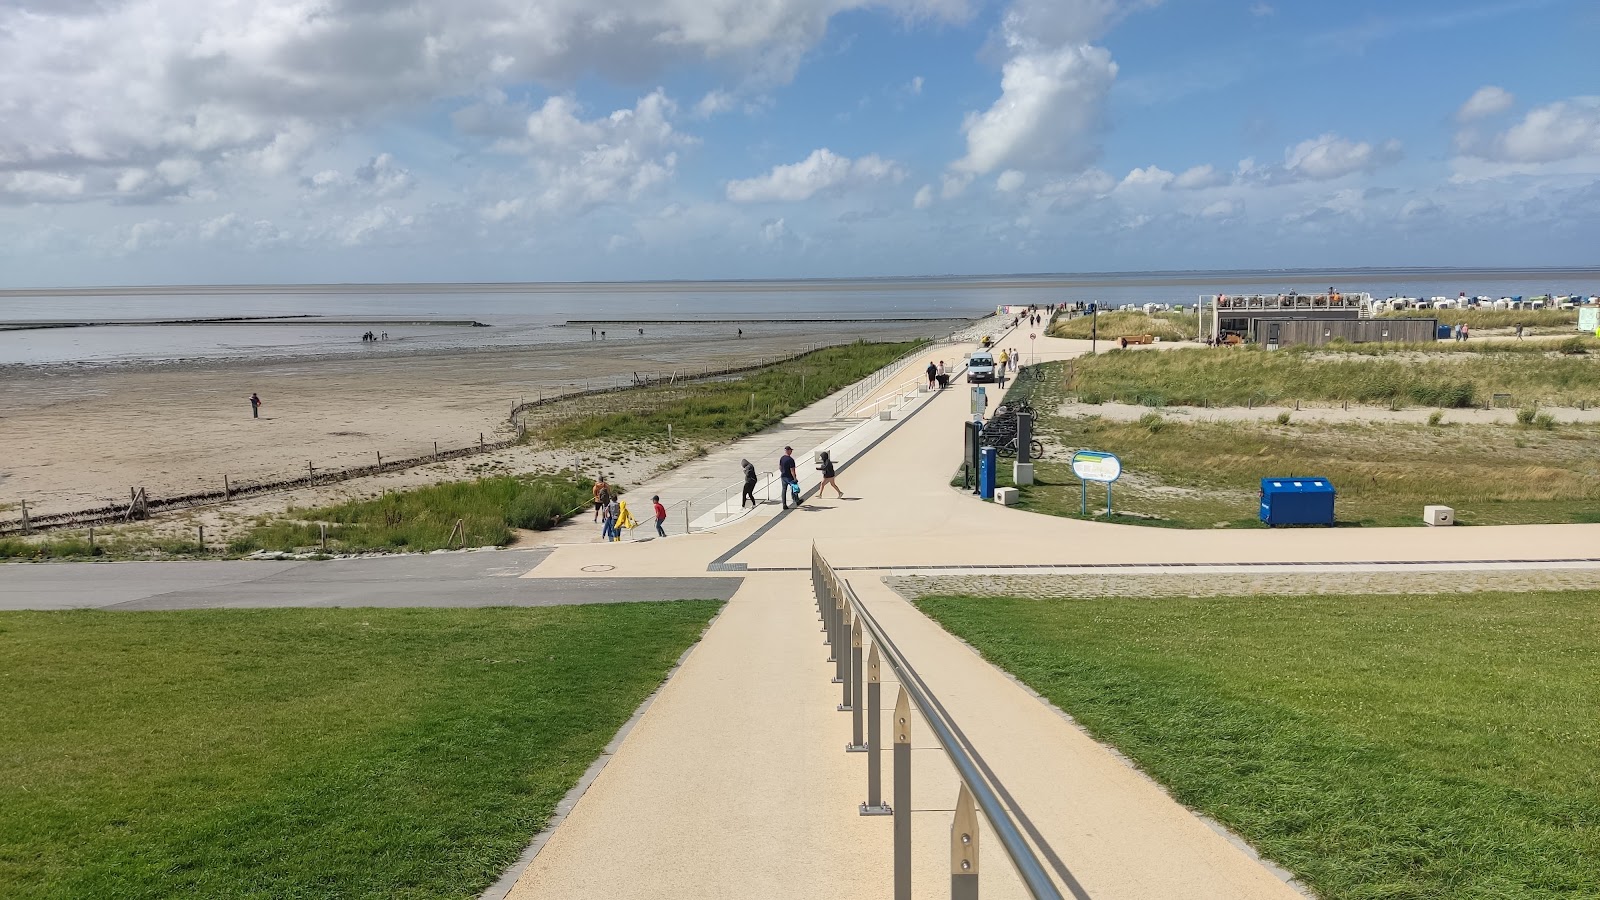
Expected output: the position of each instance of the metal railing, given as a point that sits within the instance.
(847, 624)
(852, 395)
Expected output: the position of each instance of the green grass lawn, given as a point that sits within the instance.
(1378, 747)
(306, 753)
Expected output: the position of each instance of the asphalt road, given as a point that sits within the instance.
(489, 578)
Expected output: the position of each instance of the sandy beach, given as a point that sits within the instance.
(75, 438)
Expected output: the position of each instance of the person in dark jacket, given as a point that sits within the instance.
(789, 478)
(825, 466)
(749, 483)
(933, 372)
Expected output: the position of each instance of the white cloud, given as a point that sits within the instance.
(924, 197)
(915, 87)
(99, 88)
(583, 163)
(1148, 177)
(953, 185)
(1060, 194)
(1330, 156)
(1262, 10)
(822, 172)
(1052, 90)
(1010, 180)
(35, 186)
(1220, 209)
(1566, 129)
(1198, 178)
(380, 177)
(1486, 101)
(714, 103)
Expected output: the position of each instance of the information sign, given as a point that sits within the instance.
(1092, 465)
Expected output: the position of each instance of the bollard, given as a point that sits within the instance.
(323, 528)
(964, 848)
(845, 678)
(91, 540)
(25, 524)
(874, 805)
(227, 489)
(902, 796)
(202, 539)
(856, 744)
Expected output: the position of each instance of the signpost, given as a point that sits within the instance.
(980, 403)
(1093, 465)
(1094, 327)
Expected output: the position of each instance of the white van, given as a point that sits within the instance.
(980, 367)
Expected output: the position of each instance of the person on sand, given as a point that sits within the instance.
(1519, 331)
(661, 516)
(255, 406)
(825, 466)
(933, 374)
(790, 481)
(602, 496)
(749, 483)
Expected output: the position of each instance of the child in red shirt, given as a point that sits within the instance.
(661, 516)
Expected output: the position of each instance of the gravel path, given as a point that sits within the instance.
(1045, 587)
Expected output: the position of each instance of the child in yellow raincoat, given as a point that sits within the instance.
(624, 520)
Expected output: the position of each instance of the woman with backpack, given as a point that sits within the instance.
(825, 466)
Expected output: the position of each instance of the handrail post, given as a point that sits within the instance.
(902, 796)
(874, 805)
(964, 848)
(841, 653)
(855, 745)
(846, 678)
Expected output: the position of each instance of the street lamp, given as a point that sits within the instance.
(1094, 327)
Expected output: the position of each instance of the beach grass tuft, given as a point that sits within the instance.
(1113, 325)
(424, 518)
(1390, 746)
(362, 753)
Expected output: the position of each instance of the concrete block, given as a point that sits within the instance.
(1022, 474)
(1006, 496)
(886, 415)
(1438, 515)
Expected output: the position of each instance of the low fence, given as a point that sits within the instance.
(141, 505)
(849, 625)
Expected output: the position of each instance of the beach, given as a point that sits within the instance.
(78, 437)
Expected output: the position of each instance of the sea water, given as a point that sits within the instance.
(532, 314)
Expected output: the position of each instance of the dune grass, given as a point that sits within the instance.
(1112, 325)
(1541, 320)
(423, 518)
(732, 408)
(1398, 747)
(1243, 376)
(309, 753)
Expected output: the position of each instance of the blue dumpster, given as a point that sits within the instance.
(1445, 332)
(1296, 501)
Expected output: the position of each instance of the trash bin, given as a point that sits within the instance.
(988, 462)
(1296, 501)
(1445, 333)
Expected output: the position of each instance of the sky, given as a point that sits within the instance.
(235, 141)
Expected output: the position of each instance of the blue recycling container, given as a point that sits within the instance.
(1296, 501)
(988, 465)
(1444, 333)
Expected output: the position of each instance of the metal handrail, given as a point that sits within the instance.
(844, 616)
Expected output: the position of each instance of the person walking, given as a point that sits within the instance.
(602, 496)
(749, 484)
(613, 510)
(825, 466)
(1005, 358)
(255, 406)
(933, 373)
(1519, 331)
(661, 516)
(942, 375)
(788, 480)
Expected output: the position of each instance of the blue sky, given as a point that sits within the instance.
(347, 140)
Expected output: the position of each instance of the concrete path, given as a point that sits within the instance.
(487, 578)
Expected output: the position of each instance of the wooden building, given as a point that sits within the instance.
(1273, 333)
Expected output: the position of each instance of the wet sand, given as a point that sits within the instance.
(71, 439)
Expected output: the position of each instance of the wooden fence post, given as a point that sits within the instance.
(322, 527)
(25, 525)
(227, 489)
(202, 539)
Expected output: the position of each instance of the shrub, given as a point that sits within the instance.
(1091, 397)
(1525, 415)
(1436, 418)
(1283, 417)
(1152, 422)
(1573, 346)
(1545, 421)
